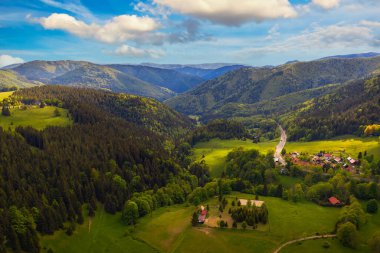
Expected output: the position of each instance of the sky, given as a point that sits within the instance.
(253, 32)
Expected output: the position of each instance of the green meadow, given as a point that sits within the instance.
(168, 229)
(38, 118)
(105, 234)
(4, 95)
(214, 152)
(351, 145)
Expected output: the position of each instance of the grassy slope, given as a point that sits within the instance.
(216, 150)
(35, 117)
(365, 233)
(107, 234)
(9, 78)
(350, 144)
(169, 229)
(4, 95)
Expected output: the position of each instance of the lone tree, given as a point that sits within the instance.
(130, 213)
(372, 206)
(348, 235)
(5, 111)
(57, 113)
(194, 219)
(244, 225)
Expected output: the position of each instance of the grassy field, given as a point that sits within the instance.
(4, 95)
(351, 145)
(216, 150)
(168, 229)
(107, 234)
(38, 118)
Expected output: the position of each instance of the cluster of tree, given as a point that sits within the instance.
(250, 214)
(338, 113)
(46, 176)
(349, 222)
(219, 128)
(342, 187)
(8, 88)
(251, 165)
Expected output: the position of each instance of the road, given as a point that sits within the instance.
(280, 146)
(302, 239)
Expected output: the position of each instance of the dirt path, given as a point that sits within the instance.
(301, 240)
(280, 147)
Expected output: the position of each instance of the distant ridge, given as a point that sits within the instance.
(198, 66)
(353, 56)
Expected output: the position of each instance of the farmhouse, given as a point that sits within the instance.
(202, 215)
(334, 201)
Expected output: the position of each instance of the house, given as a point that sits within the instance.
(202, 215)
(352, 161)
(334, 201)
(328, 157)
(338, 159)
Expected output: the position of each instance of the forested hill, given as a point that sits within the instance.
(348, 110)
(117, 145)
(252, 85)
(144, 112)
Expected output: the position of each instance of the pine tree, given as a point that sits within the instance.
(194, 219)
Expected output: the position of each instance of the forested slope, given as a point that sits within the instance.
(117, 145)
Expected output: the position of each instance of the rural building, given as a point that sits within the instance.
(334, 201)
(257, 203)
(202, 215)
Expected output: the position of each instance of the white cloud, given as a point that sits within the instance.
(6, 60)
(118, 29)
(317, 39)
(232, 13)
(327, 4)
(126, 50)
(370, 23)
(73, 6)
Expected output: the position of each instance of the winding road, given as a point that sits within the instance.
(280, 147)
(303, 239)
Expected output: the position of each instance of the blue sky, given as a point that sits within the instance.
(255, 32)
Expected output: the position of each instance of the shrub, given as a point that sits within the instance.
(372, 206)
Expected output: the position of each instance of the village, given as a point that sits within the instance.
(323, 160)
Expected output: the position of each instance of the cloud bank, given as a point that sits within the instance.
(327, 4)
(232, 13)
(6, 60)
(118, 29)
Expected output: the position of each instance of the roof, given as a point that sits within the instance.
(352, 161)
(204, 212)
(334, 200)
(257, 203)
(328, 155)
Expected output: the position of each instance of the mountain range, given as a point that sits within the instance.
(157, 82)
(250, 91)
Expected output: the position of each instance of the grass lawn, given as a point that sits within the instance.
(216, 150)
(4, 95)
(351, 145)
(107, 234)
(38, 118)
(169, 230)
